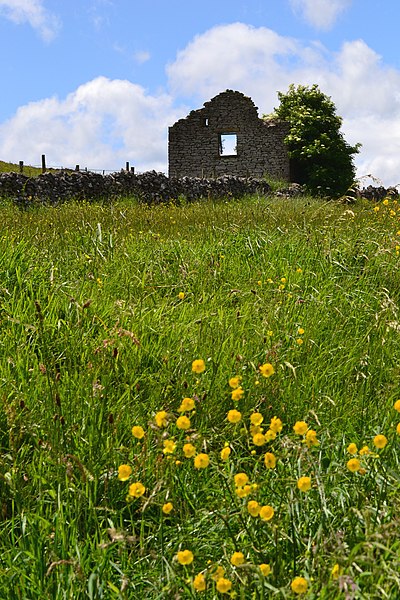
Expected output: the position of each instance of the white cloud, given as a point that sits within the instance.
(32, 12)
(101, 125)
(141, 56)
(321, 14)
(235, 56)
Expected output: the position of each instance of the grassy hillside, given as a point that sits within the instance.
(200, 401)
(6, 167)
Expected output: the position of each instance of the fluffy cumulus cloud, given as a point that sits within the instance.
(101, 125)
(236, 56)
(321, 14)
(32, 12)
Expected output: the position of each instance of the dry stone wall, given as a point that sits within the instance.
(150, 187)
(54, 188)
(194, 143)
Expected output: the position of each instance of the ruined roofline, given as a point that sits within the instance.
(267, 120)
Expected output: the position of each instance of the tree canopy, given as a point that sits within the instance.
(321, 159)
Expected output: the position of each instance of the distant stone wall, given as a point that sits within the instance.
(194, 143)
(150, 187)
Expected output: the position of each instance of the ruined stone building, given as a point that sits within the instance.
(227, 137)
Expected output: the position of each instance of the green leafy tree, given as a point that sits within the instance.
(321, 159)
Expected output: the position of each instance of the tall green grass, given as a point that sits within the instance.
(103, 311)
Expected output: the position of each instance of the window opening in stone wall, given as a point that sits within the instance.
(228, 144)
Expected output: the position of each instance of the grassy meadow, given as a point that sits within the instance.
(200, 401)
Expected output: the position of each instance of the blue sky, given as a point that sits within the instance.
(98, 82)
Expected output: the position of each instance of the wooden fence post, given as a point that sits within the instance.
(43, 163)
(21, 166)
(76, 167)
(127, 167)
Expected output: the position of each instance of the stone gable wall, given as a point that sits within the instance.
(193, 142)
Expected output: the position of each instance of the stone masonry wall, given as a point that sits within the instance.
(150, 187)
(193, 148)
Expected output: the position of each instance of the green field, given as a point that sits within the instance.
(278, 475)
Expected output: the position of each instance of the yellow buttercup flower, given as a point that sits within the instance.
(266, 512)
(396, 405)
(234, 382)
(241, 479)
(223, 585)
(189, 450)
(270, 460)
(365, 451)
(270, 435)
(256, 419)
(161, 418)
(185, 557)
(169, 446)
(183, 423)
(398, 428)
(266, 370)
(181, 295)
(124, 472)
(380, 441)
(167, 508)
(353, 465)
(225, 453)
(253, 508)
(300, 427)
(276, 425)
(259, 439)
(234, 416)
(187, 404)
(299, 341)
(198, 366)
(352, 448)
(300, 331)
(138, 432)
(265, 569)
(237, 559)
(299, 585)
(201, 461)
(311, 438)
(304, 484)
(136, 489)
(237, 394)
(199, 583)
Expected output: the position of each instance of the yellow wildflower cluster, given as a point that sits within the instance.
(215, 575)
(250, 464)
(380, 441)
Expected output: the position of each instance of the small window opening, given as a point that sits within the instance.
(228, 144)
(206, 121)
